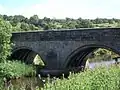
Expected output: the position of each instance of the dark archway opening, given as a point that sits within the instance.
(80, 57)
(27, 56)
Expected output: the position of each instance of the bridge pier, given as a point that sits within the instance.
(58, 72)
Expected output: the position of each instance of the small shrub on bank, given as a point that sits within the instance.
(97, 79)
(14, 69)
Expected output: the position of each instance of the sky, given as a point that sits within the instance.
(88, 9)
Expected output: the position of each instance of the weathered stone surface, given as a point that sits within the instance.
(56, 47)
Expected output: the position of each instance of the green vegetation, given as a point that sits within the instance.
(21, 23)
(5, 35)
(101, 54)
(38, 61)
(10, 69)
(98, 79)
(15, 69)
(7, 68)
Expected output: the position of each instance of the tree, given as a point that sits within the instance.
(34, 20)
(72, 25)
(5, 35)
(25, 26)
(98, 20)
(18, 18)
(17, 28)
(5, 17)
(47, 20)
(33, 27)
(86, 24)
(1, 16)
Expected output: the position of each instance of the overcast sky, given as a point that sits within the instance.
(62, 8)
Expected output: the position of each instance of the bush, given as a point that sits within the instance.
(97, 79)
(14, 69)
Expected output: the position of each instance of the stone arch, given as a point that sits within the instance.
(25, 54)
(77, 57)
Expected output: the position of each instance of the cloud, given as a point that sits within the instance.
(68, 8)
(52, 8)
(56, 8)
(73, 9)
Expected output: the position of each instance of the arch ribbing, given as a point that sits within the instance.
(24, 54)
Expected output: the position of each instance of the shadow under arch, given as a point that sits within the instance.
(77, 57)
(25, 54)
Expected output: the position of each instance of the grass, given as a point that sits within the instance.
(98, 79)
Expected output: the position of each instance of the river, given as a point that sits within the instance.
(92, 65)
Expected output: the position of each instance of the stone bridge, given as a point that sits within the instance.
(63, 49)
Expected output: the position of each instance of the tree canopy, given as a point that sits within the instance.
(22, 23)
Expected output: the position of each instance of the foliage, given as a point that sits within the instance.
(34, 23)
(101, 54)
(98, 79)
(38, 61)
(5, 35)
(14, 69)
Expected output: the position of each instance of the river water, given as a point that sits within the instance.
(92, 65)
